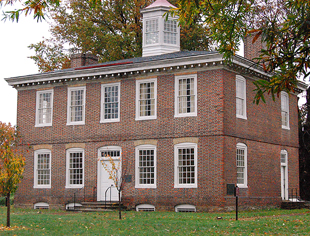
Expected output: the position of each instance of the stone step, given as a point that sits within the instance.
(97, 206)
(292, 205)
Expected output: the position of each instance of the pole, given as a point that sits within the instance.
(237, 207)
(119, 204)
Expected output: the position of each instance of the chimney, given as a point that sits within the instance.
(83, 59)
(253, 50)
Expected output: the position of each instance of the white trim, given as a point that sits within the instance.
(138, 82)
(185, 208)
(284, 192)
(137, 178)
(242, 146)
(176, 95)
(36, 153)
(241, 79)
(176, 160)
(37, 124)
(69, 122)
(145, 207)
(74, 150)
(285, 96)
(102, 119)
(41, 205)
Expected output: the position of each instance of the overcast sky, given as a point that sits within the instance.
(15, 37)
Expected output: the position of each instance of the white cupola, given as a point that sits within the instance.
(160, 36)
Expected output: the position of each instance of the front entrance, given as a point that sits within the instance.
(284, 176)
(106, 189)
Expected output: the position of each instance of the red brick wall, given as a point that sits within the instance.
(216, 126)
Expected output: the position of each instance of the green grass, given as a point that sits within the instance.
(55, 222)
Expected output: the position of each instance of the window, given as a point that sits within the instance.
(241, 160)
(151, 31)
(44, 108)
(42, 168)
(170, 32)
(110, 102)
(146, 166)
(145, 207)
(76, 105)
(146, 95)
(285, 110)
(240, 97)
(185, 208)
(75, 168)
(41, 205)
(185, 161)
(186, 96)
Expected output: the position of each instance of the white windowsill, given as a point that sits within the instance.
(285, 127)
(110, 121)
(44, 186)
(185, 186)
(75, 186)
(146, 118)
(145, 186)
(43, 125)
(241, 117)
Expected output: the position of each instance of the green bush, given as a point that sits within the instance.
(2, 200)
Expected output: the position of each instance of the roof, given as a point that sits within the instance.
(160, 3)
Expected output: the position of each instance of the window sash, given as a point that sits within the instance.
(151, 31)
(44, 107)
(285, 110)
(110, 103)
(170, 32)
(186, 96)
(77, 105)
(43, 169)
(75, 168)
(146, 166)
(241, 166)
(186, 166)
(240, 97)
(146, 100)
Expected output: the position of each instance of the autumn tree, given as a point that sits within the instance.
(11, 163)
(282, 24)
(117, 174)
(111, 30)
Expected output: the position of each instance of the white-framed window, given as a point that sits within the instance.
(241, 162)
(151, 31)
(110, 102)
(285, 110)
(145, 166)
(284, 174)
(185, 208)
(240, 97)
(44, 108)
(75, 168)
(41, 205)
(283, 158)
(146, 99)
(42, 168)
(170, 31)
(185, 165)
(76, 105)
(145, 207)
(186, 95)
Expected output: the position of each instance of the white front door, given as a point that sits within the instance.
(106, 189)
(284, 176)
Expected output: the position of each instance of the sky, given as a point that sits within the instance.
(14, 41)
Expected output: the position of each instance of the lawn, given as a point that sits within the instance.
(55, 222)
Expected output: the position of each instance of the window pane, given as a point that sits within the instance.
(147, 99)
(146, 167)
(43, 169)
(186, 165)
(45, 108)
(110, 102)
(77, 105)
(76, 168)
(186, 96)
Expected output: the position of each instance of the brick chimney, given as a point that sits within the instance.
(252, 50)
(83, 59)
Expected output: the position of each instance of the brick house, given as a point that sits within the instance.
(183, 125)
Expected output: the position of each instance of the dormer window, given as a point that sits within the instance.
(170, 32)
(151, 31)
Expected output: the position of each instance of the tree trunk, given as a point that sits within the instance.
(119, 205)
(8, 223)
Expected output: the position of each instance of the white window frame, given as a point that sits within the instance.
(242, 146)
(41, 205)
(137, 172)
(285, 97)
(176, 169)
(70, 90)
(239, 78)
(103, 86)
(138, 116)
(145, 207)
(36, 153)
(185, 208)
(38, 124)
(74, 150)
(176, 94)
(284, 164)
(170, 36)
